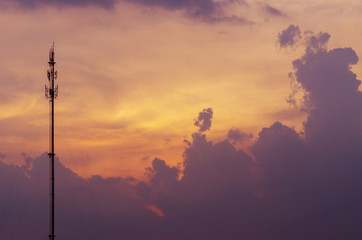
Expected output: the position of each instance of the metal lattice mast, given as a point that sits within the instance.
(51, 92)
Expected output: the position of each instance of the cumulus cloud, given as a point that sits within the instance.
(299, 187)
(290, 36)
(202, 204)
(162, 177)
(204, 120)
(331, 91)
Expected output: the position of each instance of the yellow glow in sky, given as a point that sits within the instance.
(132, 80)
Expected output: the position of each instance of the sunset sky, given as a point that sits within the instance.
(134, 75)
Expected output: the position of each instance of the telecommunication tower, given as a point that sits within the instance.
(51, 92)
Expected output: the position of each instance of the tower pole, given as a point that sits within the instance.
(51, 92)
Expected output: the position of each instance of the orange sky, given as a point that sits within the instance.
(132, 79)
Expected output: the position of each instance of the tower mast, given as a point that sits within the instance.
(51, 92)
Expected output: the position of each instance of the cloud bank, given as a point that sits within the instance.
(31, 4)
(209, 11)
(291, 186)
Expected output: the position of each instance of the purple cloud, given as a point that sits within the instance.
(316, 42)
(108, 4)
(273, 11)
(331, 92)
(290, 36)
(204, 120)
(236, 135)
(205, 10)
(298, 187)
(94, 208)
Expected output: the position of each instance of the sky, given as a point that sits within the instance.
(188, 119)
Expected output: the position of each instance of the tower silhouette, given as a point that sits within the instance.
(51, 92)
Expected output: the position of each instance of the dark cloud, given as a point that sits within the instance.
(331, 97)
(195, 7)
(162, 176)
(236, 135)
(333, 137)
(95, 208)
(108, 4)
(290, 36)
(228, 19)
(278, 149)
(316, 42)
(204, 120)
(202, 204)
(298, 187)
(205, 10)
(273, 11)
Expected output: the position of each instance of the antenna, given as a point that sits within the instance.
(51, 92)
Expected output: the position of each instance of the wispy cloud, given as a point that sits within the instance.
(272, 10)
(31, 4)
(205, 10)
